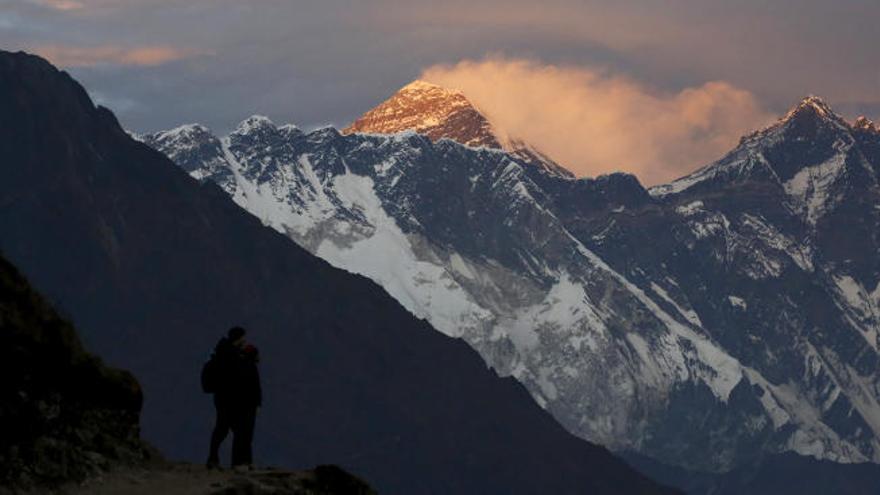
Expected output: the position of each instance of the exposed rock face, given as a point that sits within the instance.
(442, 113)
(432, 111)
(154, 267)
(64, 416)
(730, 313)
(786, 231)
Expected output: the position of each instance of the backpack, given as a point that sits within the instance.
(210, 375)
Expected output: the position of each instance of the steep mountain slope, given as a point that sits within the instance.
(64, 416)
(786, 229)
(154, 266)
(774, 249)
(652, 322)
(442, 113)
(778, 245)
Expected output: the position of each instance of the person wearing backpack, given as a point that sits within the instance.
(231, 374)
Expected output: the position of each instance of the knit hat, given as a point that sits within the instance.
(236, 333)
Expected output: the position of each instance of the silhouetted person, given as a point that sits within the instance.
(237, 395)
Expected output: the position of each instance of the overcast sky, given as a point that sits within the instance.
(160, 63)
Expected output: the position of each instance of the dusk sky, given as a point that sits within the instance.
(651, 87)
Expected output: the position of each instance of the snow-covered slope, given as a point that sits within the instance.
(442, 113)
(699, 328)
(805, 152)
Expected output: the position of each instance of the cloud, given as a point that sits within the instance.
(314, 62)
(91, 6)
(79, 56)
(118, 104)
(594, 122)
(63, 5)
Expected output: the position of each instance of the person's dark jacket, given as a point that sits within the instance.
(239, 382)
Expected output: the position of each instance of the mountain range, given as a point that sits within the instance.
(154, 266)
(726, 316)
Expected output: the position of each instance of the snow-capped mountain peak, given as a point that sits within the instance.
(290, 129)
(443, 113)
(254, 123)
(182, 133)
(810, 112)
(432, 110)
(810, 142)
(422, 87)
(811, 103)
(865, 124)
(190, 142)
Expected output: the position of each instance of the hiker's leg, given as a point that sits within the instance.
(242, 450)
(221, 430)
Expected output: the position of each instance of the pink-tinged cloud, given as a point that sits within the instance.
(593, 122)
(63, 5)
(88, 7)
(78, 56)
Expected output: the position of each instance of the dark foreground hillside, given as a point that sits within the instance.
(187, 479)
(69, 424)
(64, 416)
(153, 267)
